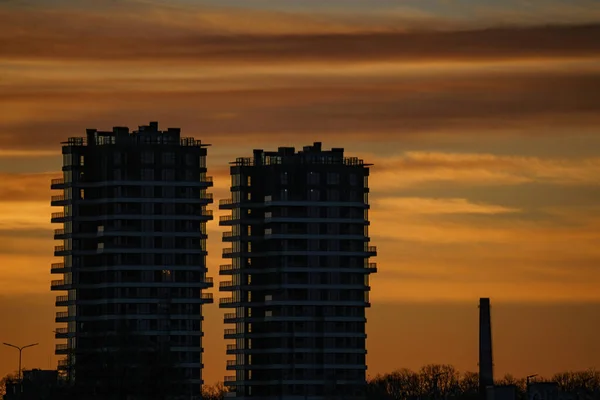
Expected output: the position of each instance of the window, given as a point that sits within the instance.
(313, 178)
(147, 157)
(168, 158)
(333, 178)
(268, 297)
(353, 179)
(313, 195)
(333, 195)
(147, 174)
(268, 313)
(284, 194)
(284, 178)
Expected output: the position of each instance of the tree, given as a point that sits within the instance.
(8, 378)
(216, 392)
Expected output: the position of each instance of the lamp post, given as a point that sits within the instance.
(20, 353)
(527, 384)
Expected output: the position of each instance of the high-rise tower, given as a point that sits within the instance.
(299, 274)
(133, 244)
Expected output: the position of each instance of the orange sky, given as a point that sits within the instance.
(482, 125)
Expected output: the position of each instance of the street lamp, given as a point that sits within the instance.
(20, 351)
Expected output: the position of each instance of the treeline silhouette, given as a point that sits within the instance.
(443, 381)
(431, 382)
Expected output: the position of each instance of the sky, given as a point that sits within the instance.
(481, 119)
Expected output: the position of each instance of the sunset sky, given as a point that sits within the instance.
(481, 117)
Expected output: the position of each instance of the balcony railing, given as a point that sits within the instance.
(59, 232)
(208, 279)
(230, 379)
(229, 316)
(59, 248)
(371, 249)
(62, 314)
(230, 363)
(206, 196)
(225, 202)
(227, 234)
(59, 197)
(230, 331)
(207, 296)
(207, 213)
(58, 215)
(60, 299)
(61, 330)
(226, 267)
(58, 181)
(226, 284)
(63, 363)
(59, 282)
(227, 250)
(226, 300)
(225, 218)
(372, 265)
(231, 347)
(57, 266)
(61, 347)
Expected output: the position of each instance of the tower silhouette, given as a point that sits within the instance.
(486, 364)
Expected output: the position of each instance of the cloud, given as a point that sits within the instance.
(416, 205)
(422, 168)
(209, 35)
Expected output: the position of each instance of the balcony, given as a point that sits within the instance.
(58, 199)
(57, 183)
(59, 249)
(61, 333)
(207, 296)
(206, 196)
(372, 267)
(60, 285)
(371, 250)
(229, 316)
(225, 284)
(225, 218)
(230, 379)
(209, 281)
(61, 349)
(230, 363)
(57, 217)
(226, 300)
(230, 332)
(59, 232)
(62, 316)
(57, 268)
(62, 301)
(225, 202)
(227, 251)
(227, 235)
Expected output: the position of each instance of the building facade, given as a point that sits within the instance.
(133, 244)
(299, 274)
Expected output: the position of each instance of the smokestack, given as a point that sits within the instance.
(486, 364)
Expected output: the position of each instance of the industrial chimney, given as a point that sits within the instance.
(486, 365)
